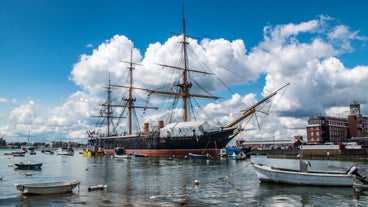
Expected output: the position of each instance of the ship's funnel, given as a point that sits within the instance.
(145, 127)
(160, 124)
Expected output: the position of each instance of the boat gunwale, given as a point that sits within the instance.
(267, 174)
(43, 187)
(151, 135)
(49, 184)
(297, 172)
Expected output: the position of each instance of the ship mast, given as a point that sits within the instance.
(108, 113)
(108, 104)
(130, 101)
(251, 110)
(185, 86)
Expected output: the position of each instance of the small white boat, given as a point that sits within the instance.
(19, 154)
(138, 154)
(97, 187)
(48, 152)
(65, 151)
(120, 153)
(47, 187)
(306, 177)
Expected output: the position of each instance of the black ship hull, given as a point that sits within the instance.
(185, 135)
(154, 145)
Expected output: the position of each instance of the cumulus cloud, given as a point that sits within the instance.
(21, 119)
(314, 69)
(24, 114)
(306, 54)
(89, 45)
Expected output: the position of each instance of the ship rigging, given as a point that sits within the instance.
(177, 138)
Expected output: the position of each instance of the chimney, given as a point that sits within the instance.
(145, 127)
(160, 124)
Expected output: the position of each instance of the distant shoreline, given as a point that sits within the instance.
(332, 154)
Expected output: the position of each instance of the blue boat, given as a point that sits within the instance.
(236, 153)
(199, 156)
(239, 156)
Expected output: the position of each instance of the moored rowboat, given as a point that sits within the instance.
(28, 166)
(306, 177)
(47, 187)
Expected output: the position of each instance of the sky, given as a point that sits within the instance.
(56, 58)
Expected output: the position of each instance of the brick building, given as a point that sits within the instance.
(358, 125)
(324, 129)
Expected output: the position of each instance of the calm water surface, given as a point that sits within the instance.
(162, 181)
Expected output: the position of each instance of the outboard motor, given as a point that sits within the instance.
(353, 170)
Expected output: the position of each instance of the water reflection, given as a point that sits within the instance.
(288, 195)
(170, 182)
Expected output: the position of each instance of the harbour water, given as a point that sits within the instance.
(162, 181)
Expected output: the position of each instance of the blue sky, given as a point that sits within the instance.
(42, 42)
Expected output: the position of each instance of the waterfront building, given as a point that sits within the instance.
(272, 144)
(324, 129)
(358, 124)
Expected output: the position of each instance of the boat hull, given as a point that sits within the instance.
(122, 156)
(19, 154)
(198, 156)
(120, 153)
(154, 145)
(275, 175)
(91, 153)
(47, 188)
(65, 151)
(28, 166)
(137, 154)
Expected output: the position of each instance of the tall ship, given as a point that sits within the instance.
(178, 138)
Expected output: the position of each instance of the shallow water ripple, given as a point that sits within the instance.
(168, 182)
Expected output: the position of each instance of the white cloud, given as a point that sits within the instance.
(24, 114)
(92, 71)
(304, 54)
(340, 111)
(89, 45)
